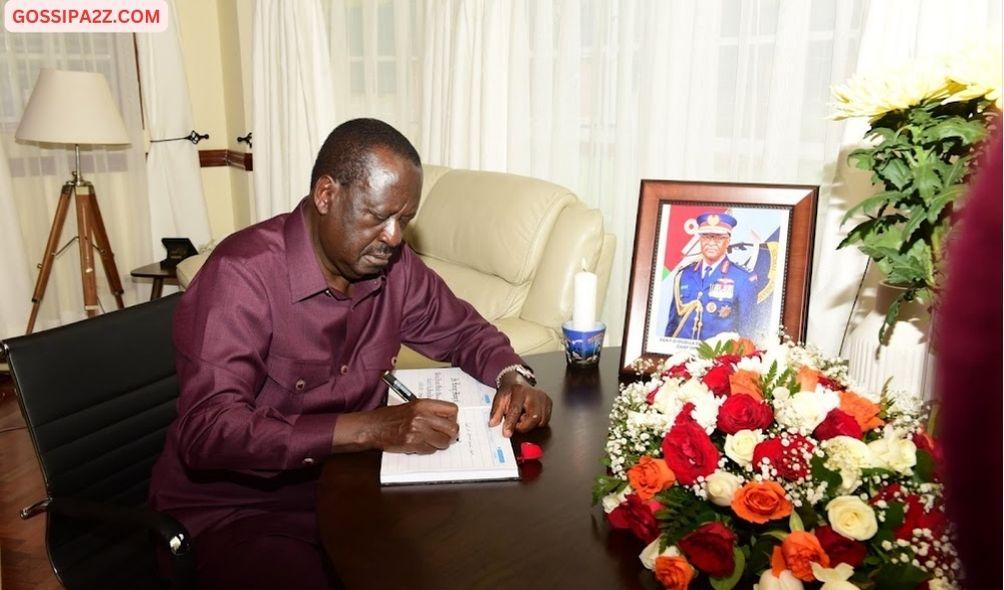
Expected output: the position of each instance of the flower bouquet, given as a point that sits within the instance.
(763, 466)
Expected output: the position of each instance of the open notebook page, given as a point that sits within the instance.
(481, 454)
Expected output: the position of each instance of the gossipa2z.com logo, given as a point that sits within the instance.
(85, 16)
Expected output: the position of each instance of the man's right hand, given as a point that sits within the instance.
(424, 426)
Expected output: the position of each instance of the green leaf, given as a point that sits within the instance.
(942, 200)
(891, 315)
(955, 127)
(822, 473)
(729, 582)
(779, 535)
(899, 576)
(606, 485)
(915, 222)
(885, 197)
(925, 468)
(897, 173)
(795, 522)
(682, 513)
(894, 514)
(926, 180)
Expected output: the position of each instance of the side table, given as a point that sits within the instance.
(159, 274)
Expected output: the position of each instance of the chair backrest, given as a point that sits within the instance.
(98, 396)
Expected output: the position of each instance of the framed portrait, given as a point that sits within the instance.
(711, 258)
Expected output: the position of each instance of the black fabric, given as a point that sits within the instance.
(98, 396)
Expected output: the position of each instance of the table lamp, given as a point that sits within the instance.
(75, 108)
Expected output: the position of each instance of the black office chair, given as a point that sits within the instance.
(98, 396)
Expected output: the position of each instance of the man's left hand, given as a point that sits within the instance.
(519, 406)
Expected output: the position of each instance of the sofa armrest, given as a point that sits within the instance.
(188, 268)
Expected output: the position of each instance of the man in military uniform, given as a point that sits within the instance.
(711, 295)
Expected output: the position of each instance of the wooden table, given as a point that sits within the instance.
(540, 532)
(159, 274)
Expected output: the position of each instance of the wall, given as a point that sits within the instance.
(215, 66)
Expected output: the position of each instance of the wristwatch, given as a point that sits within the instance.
(524, 371)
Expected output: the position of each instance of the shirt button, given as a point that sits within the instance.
(300, 384)
(308, 461)
(344, 369)
(393, 361)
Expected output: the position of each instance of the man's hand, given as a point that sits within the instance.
(519, 406)
(424, 426)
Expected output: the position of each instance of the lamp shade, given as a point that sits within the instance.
(74, 108)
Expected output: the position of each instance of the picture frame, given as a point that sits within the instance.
(680, 293)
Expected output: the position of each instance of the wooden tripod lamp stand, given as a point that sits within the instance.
(75, 108)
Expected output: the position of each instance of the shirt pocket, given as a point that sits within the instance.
(298, 376)
(379, 357)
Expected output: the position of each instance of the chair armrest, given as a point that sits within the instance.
(171, 534)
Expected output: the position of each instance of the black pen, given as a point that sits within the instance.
(399, 388)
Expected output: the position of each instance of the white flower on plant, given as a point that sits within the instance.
(893, 452)
(803, 411)
(903, 402)
(851, 517)
(834, 578)
(672, 396)
(752, 363)
(976, 71)
(651, 552)
(722, 486)
(612, 501)
(848, 456)
(739, 446)
(786, 581)
(656, 421)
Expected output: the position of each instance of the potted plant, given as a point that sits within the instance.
(927, 122)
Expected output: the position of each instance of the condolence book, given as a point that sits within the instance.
(481, 454)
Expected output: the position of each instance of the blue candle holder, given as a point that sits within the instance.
(582, 347)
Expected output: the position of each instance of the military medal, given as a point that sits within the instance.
(712, 307)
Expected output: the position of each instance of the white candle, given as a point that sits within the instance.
(584, 301)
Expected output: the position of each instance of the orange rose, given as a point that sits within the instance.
(748, 382)
(807, 379)
(761, 501)
(797, 553)
(742, 347)
(674, 573)
(864, 412)
(650, 476)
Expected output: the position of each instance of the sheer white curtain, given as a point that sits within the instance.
(15, 289)
(174, 179)
(37, 174)
(598, 94)
(895, 32)
(293, 100)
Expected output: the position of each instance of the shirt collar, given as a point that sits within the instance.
(305, 277)
(705, 265)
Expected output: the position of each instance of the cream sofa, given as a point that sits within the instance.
(508, 244)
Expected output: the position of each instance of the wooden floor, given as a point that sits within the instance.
(23, 562)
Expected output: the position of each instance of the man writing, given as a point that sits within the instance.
(281, 341)
(711, 295)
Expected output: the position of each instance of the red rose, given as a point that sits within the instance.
(837, 423)
(789, 460)
(915, 517)
(710, 549)
(830, 383)
(839, 548)
(688, 450)
(717, 379)
(742, 412)
(680, 371)
(638, 516)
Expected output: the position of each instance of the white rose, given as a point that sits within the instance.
(739, 446)
(803, 411)
(722, 337)
(722, 486)
(612, 501)
(834, 578)
(651, 552)
(940, 584)
(785, 581)
(849, 456)
(752, 363)
(897, 454)
(852, 517)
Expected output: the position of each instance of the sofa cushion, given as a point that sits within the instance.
(495, 223)
(493, 297)
(526, 338)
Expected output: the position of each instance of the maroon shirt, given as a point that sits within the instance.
(268, 357)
